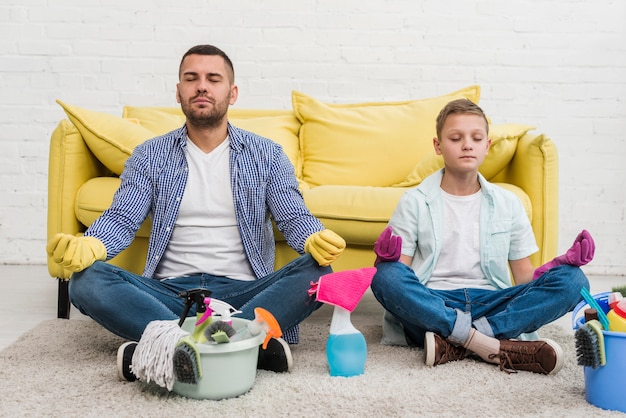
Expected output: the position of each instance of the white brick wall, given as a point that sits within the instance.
(558, 64)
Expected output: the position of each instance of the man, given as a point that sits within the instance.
(211, 190)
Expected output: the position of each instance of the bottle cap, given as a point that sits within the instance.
(590, 314)
(620, 308)
(614, 298)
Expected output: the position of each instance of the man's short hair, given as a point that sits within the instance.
(209, 50)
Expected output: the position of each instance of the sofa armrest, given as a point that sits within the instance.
(70, 165)
(534, 168)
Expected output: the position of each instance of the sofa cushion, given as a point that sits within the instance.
(360, 213)
(503, 145)
(523, 196)
(159, 120)
(357, 213)
(95, 196)
(280, 127)
(367, 144)
(110, 138)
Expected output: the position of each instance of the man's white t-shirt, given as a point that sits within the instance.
(206, 236)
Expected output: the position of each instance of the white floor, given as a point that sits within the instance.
(28, 295)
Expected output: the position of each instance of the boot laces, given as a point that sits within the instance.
(510, 357)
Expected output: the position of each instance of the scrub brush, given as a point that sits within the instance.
(590, 345)
(219, 332)
(187, 364)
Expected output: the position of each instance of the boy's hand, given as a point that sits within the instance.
(580, 253)
(325, 246)
(387, 247)
(75, 253)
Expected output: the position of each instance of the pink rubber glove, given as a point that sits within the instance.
(387, 247)
(579, 254)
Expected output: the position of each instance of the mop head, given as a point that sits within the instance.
(153, 358)
(344, 288)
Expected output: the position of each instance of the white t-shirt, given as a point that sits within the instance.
(458, 265)
(206, 235)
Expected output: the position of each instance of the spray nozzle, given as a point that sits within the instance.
(223, 309)
(264, 320)
(192, 296)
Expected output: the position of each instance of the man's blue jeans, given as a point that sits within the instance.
(124, 303)
(503, 313)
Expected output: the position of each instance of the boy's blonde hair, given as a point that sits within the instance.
(459, 106)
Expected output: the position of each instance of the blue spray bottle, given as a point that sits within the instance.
(346, 349)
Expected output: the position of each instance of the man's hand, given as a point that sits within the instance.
(75, 253)
(325, 246)
(387, 247)
(580, 253)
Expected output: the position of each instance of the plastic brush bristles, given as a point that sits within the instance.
(187, 366)
(219, 332)
(590, 345)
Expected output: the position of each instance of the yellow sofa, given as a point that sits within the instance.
(353, 162)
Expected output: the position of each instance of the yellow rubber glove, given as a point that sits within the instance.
(75, 253)
(325, 246)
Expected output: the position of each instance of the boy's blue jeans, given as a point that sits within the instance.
(124, 303)
(502, 313)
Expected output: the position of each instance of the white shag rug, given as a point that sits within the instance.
(65, 368)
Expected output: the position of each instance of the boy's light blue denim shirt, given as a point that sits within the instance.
(505, 231)
(505, 234)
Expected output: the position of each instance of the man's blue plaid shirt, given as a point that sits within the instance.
(153, 182)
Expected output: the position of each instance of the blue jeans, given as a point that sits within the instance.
(502, 313)
(124, 303)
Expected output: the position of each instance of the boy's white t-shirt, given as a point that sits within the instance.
(458, 265)
(206, 236)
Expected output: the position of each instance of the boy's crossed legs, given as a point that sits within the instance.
(452, 324)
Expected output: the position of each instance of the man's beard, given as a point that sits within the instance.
(201, 119)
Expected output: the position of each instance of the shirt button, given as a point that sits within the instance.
(168, 228)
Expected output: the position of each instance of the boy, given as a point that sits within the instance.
(443, 262)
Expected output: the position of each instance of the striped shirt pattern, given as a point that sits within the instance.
(263, 185)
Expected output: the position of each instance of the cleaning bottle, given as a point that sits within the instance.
(197, 296)
(346, 350)
(217, 317)
(617, 317)
(263, 321)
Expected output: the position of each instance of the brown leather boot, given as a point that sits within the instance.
(541, 356)
(438, 350)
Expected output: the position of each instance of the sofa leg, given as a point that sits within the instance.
(63, 307)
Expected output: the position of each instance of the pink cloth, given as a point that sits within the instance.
(343, 288)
